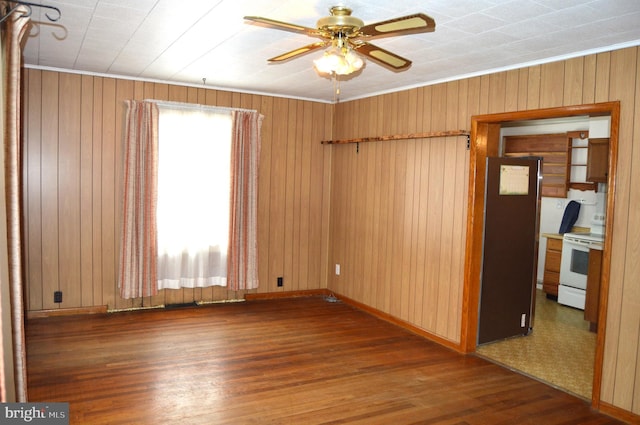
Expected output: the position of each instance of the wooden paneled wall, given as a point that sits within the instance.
(392, 213)
(398, 207)
(73, 126)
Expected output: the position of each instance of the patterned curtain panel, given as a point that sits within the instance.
(242, 268)
(138, 240)
(16, 27)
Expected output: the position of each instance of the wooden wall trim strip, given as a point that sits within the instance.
(40, 314)
(401, 323)
(287, 294)
(618, 413)
(426, 135)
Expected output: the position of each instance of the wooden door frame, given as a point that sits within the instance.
(485, 140)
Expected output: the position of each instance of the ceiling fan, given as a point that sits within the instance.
(347, 34)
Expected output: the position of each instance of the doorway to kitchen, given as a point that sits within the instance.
(559, 349)
(485, 142)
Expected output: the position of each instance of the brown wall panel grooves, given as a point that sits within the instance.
(433, 298)
(393, 214)
(73, 134)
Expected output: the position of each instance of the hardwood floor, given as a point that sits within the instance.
(283, 361)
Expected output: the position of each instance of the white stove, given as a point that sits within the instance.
(574, 262)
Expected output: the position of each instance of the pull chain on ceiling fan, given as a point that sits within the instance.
(346, 36)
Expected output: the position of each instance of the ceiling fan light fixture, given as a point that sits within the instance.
(340, 21)
(339, 61)
(350, 40)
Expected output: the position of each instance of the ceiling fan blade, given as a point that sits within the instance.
(382, 56)
(298, 52)
(272, 23)
(411, 24)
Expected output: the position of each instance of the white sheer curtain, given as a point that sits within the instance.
(193, 196)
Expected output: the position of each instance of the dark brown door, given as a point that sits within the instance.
(510, 248)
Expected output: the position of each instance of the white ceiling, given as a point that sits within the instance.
(186, 41)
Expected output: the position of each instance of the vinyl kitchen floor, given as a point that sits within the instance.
(560, 350)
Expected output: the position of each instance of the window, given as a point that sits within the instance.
(198, 183)
(194, 148)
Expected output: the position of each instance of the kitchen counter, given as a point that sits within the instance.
(575, 229)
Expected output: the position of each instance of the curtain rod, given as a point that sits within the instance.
(185, 105)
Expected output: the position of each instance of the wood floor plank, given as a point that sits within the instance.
(282, 361)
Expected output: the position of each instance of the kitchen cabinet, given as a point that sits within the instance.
(592, 299)
(598, 160)
(554, 150)
(579, 147)
(551, 276)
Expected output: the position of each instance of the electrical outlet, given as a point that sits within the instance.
(57, 297)
(523, 320)
(280, 281)
(337, 269)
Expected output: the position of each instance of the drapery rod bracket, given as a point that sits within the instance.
(451, 133)
(29, 7)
